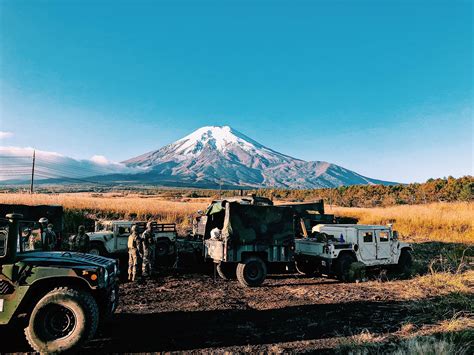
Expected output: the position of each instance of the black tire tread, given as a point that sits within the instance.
(91, 308)
(241, 271)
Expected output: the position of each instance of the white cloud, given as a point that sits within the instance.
(100, 159)
(5, 135)
(15, 164)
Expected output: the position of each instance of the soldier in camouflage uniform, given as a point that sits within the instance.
(81, 241)
(48, 237)
(134, 254)
(148, 250)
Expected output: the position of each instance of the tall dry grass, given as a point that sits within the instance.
(112, 205)
(444, 222)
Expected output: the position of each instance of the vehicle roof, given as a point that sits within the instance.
(355, 226)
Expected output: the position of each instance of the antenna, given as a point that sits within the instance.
(33, 172)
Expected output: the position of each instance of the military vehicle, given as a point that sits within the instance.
(59, 298)
(243, 235)
(54, 214)
(336, 249)
(111, 237)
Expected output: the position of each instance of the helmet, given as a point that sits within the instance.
(50, 225)
(81, 228)
(43, 220)
(134, 228)
(149, 224)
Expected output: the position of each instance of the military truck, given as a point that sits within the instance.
(59, 298)
(243, 235)
(338, 249)
(111, 237)
(54, 214)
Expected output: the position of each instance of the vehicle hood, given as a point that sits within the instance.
(66, 258)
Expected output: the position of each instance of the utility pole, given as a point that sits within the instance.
(32, 172)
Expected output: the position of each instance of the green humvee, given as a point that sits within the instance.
(58, 297)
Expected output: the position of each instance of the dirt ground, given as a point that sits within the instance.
(189, 310)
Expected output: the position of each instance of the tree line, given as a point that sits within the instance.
(434, 190)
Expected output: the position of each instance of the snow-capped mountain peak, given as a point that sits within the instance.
(220, 154)
(216, 137)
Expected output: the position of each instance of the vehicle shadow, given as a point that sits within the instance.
(172, 331)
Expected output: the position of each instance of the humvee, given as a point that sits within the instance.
(59, 298)
(111, 237)
(244, 235)
(334, 249)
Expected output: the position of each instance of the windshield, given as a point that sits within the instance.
(103, 226)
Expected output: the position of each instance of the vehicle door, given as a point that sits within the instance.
(122, 233)
(383, 244)
(367, 245)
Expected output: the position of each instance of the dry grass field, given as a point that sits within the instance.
(442, 222)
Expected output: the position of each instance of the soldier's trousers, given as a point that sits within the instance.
(133, 263)
(148, 260)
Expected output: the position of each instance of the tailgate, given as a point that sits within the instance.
(214, 249)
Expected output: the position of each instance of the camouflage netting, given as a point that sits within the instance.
(248, 224)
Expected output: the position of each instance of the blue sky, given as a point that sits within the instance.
(384, 88)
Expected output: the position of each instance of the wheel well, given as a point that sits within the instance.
(163, 239)
(261, 254)
(347, 252)
(41, 287)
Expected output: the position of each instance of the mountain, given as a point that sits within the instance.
(216, 155)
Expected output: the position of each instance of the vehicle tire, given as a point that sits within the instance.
(162, 248)
(227, 271)
(252, 272)
(405, 263)
(62, 320)
(343, 268)
(306, 268)
(97, 249)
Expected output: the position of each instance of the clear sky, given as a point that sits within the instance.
(384, 88)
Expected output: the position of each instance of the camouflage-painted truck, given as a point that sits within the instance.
(244, 235)
(59, 298)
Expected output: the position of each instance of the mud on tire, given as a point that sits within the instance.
(62, 320)
(252, 272)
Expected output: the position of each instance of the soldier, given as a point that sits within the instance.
(51, 239)
(134, 254)
(48, 237)
(148, 250)
(80, 242)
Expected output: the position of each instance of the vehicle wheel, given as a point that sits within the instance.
(252, 272)
(162, 248)
(97, 249)
(62, 320)
(306, 268)
(405, 263)
(344, 272)
(227, 271)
